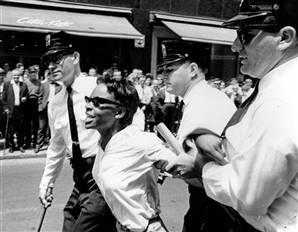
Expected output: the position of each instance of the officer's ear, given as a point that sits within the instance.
(288, 37)
(193, 70)
(76, 57)
(120, 113)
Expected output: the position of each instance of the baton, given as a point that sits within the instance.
(44, 210)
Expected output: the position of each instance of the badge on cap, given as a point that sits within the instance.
(48, 40)
(275, 6)
(163, 50)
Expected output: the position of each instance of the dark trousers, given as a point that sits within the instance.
(86, 209)
(3, 121)
(207, 215)
(86, 212)
(16, 125)
(31, 121)
(43, 131)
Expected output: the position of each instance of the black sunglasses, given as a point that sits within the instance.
(98, 101)
(246, 35)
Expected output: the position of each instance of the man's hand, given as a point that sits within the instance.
(185, 166)
(46, 196)
(211, 146)
(23, 99)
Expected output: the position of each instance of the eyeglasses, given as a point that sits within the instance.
(245, 35)
(56, 59)
(33, 72)
(98, 101)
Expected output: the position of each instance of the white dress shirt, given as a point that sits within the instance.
(61, 143)
(127, 178)
(205, 108)
(261, 179)
(16, 91)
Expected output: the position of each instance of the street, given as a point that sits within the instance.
(20, 209)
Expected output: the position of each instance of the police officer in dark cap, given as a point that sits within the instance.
(206, 110)
(86, 209)
(260, 178)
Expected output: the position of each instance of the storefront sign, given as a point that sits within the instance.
(42, 22)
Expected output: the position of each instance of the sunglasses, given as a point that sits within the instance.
(98, 101)
(246, 35)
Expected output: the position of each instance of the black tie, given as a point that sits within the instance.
(72, 118)
(240, 112)
(82, 173)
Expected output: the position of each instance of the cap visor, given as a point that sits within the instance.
(243, 19)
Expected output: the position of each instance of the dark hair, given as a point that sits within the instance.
(125, 93)
(18, 65)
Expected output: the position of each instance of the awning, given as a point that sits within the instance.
(201, 33)
(41, 20)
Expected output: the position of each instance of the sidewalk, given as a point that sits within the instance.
(29, 153)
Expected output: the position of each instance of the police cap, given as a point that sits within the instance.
(177, 51)
(265, 13)
(57, 44)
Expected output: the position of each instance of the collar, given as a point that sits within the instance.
(193, 88)
(287, 70)
(123, 134)
(77, 83)
(13, 82)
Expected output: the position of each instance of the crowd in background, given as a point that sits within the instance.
(24, 122)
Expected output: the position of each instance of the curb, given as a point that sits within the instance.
(5, 155)
(22, 156)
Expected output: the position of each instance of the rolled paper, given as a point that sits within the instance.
(170, 138)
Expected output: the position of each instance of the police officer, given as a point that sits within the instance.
(260, 180)
(205, 110)
(86, 209)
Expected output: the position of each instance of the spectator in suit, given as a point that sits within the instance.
(43, 100)
(15, 94)
(31, 113)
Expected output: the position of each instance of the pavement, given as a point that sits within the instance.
(29, 153)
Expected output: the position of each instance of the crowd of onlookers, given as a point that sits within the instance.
(24, 95)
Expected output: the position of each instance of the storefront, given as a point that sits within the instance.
(103, 35)
(210, 39)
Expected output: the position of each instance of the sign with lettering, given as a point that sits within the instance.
(42, 22)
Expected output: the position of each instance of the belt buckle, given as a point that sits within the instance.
(75, 143)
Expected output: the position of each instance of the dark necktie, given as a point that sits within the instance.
(240, 112)
(82, 172)
(72, 118)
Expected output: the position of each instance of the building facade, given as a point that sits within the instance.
(125, 33)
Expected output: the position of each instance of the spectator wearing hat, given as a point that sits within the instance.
(260, 180)
(31, 114)
(14, 96)
(86, 209)
(205, 110)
